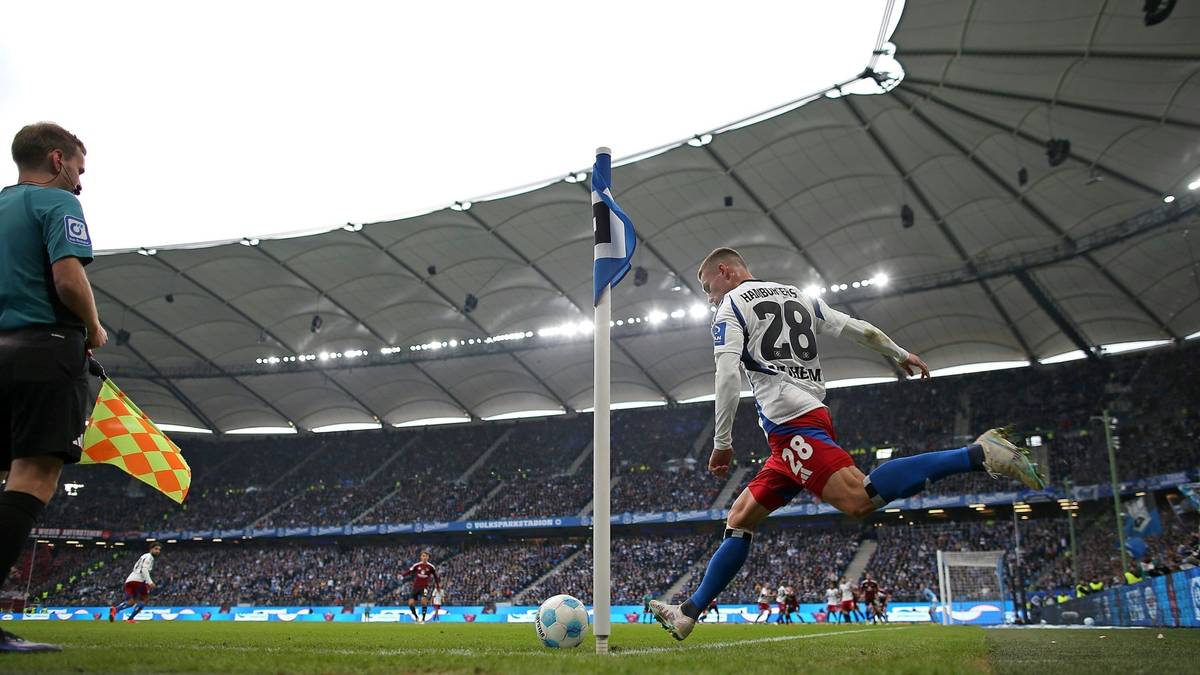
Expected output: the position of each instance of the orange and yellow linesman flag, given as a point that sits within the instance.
(119, 433)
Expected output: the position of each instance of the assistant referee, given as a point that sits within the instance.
(48, 322)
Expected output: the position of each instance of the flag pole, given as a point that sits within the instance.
(601, 524)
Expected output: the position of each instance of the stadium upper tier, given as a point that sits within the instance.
(1026, 189)
(539, 468)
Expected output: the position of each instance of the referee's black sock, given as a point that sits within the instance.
(18, 512)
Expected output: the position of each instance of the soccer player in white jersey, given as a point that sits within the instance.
(847, 593)
(770, 331)
(137, 585)
(781, 603)
(764, 604)
(832, 602)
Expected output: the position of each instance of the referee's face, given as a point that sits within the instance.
(70, 170)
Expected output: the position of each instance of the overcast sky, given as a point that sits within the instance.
(217, 120)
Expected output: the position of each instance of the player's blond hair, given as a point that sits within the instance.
(721, 255)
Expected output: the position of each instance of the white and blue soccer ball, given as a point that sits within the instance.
(561, 622)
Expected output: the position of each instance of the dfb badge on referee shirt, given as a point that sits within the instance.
(76, 231)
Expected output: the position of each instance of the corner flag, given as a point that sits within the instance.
(120, 434)
(615, 238)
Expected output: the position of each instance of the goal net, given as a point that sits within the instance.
(965, 578)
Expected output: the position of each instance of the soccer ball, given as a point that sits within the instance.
(561, 621)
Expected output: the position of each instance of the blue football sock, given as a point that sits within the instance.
(906, 476)
(137, 608)
(123, 606)
(723, 567)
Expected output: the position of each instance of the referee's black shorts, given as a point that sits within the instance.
(44, 394)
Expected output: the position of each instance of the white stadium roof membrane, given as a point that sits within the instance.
(993, 270)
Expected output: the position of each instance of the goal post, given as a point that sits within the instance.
(968, 576)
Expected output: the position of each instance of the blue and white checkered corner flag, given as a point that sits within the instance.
(615, 238)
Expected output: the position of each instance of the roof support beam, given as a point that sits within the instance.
(362, 404)
(1052, 54)
(1033, 210)
(941, 225)
(1040, 143)
(1085, 107)
(168, 384)
(267, 332)
(1059, 317)
(562, 292)
(218, 370)
(445, 298)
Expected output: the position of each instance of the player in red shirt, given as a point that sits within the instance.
(422, 573)
(870, 593)
(870, 589)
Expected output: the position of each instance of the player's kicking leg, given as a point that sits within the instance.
(858, 495)
(412, 606)
(816, 462)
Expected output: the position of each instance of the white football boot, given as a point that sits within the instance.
(672, 619)
(1002, 458)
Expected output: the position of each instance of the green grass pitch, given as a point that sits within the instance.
(513, 648)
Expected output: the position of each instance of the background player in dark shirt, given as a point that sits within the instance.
(422, 574)
(870, 593)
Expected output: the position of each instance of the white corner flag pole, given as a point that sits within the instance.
(601, 524)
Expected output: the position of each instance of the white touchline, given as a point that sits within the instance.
(739, 643)
(299, 649)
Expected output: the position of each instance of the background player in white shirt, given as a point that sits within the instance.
(781, 602)
(832, 602)
(764, 604)
(847, 593)
(137, 585)
(439, 596)
(769, 331)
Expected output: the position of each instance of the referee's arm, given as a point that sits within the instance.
(74, 290)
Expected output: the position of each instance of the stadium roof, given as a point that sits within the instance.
(995, 268)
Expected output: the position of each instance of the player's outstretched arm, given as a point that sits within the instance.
(728, 390)
(876, 340)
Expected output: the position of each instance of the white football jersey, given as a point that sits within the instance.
(831, 596)
(764, 595)
(773, 328)
(141, 569)
(847, 594)
(781, 594)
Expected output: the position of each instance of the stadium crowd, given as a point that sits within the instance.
(640, 565)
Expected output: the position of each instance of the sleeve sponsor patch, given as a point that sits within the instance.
(76, 231)
(718, 331)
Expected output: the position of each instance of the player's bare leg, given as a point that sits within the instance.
(744, 516)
